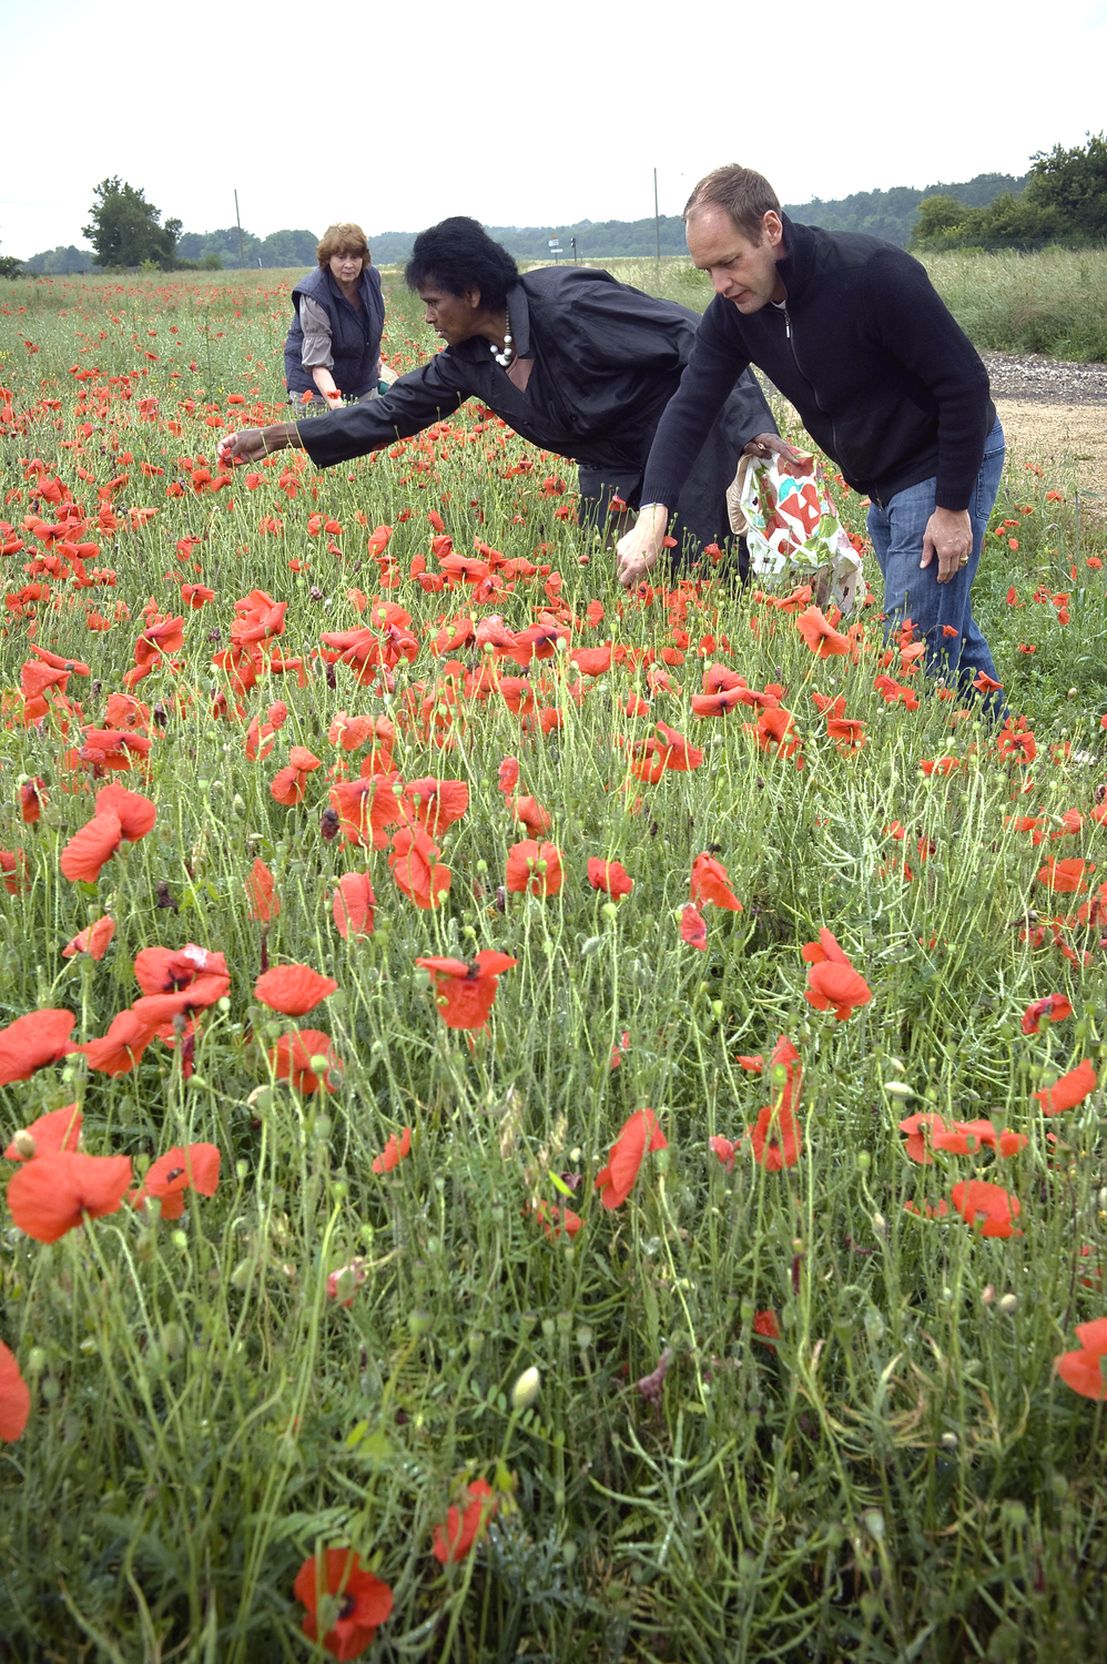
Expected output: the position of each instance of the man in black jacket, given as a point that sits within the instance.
(574, 361)
(850, 330)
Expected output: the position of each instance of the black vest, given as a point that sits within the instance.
(355, 336)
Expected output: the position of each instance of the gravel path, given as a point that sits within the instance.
(1054, 416)
(1031, 376)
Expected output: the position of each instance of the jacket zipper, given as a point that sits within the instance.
(803, 374)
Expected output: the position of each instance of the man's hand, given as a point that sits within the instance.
(639, 551)
(948, 535)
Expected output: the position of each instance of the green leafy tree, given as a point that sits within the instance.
(287, 248)
(63, 261)
(230, 248)
(943, 222)
(126, 230)
(1068, 191)
(1064, 201)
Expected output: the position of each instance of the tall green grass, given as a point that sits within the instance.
(899, 1475)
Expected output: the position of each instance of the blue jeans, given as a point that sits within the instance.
(896, 530)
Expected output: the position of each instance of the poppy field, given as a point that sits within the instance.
(537, 1122)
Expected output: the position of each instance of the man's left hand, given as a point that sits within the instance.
(948, 535)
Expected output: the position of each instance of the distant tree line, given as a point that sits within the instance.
(889, 214)
(1065, 201)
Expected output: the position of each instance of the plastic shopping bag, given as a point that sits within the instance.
(793, 530)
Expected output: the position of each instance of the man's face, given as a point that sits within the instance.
(742, 271)
(454, 317)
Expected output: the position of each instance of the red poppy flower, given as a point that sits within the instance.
(32, 799)
(353, 905)
(367, 807)
(264, 902)
(1015, 744)
(824, 951)
(88, 849)
(724, 1148)
(775, 1138)
(52, 1194)
(465, 1525)
(1052, 1009)
(289, 785)
(58, 1129)
(693, 929)
(292, 1058)
(416, 869)
(120, 1049)
(137, 814)
(837, 988)
(639, 1133)
(766, 1328)
(680, 756)
(927, 1211)
(293, 990)
(344, 1283)
(94, 940)
(775, 731)
(528, 812)
(192, 1167)
(710, 882)
(356, 1603)
(557, 1222)
(920, 1129)
(394, 1152)
(435, 804)
(1083, 1370)
(1069, 1091)
(987, 1207)
(33, 1041)
(820, 635)
(534, 869)
(13, 870)
(847, 733)
(964, 1138)
(200, 973)
(15, 1397)
(609, 876)
(464, 991)
(1067, 877)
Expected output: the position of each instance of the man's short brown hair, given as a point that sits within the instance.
(346, 238)
(746, 196)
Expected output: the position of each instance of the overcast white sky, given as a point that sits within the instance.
(519, 114)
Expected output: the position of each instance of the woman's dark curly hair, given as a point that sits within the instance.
(460, 255)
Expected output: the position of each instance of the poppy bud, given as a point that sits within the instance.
(526, 1389)
(24, 1144)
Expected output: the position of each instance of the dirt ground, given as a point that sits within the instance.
(1055, 414)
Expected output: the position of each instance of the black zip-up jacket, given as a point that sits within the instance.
(607, 360)
(883, 378)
